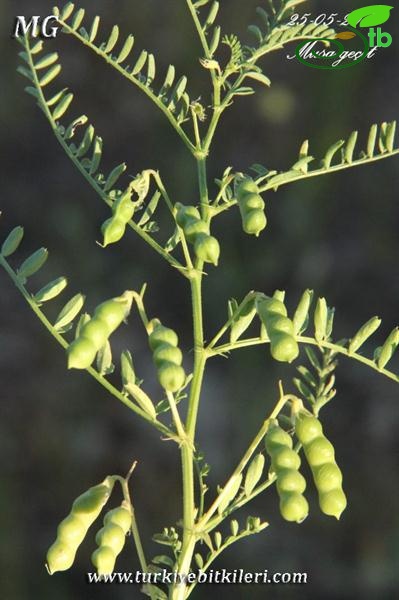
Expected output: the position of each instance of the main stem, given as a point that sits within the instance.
(178, 591)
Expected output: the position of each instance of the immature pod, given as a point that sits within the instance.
(95, 333)
(113, 230)
(320, 455)
(280, 329)
(167, 357)
(251, 206)
(289, 481)
(72, 530)
(111, 539)
(196, 230)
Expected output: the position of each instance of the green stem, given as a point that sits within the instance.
(134, 527)
(222, 349)
(99, 378)
(43, 104)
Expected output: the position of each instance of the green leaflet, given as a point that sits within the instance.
(301, 315)
(126, 49)
(46, 61)
(243, 320)
(254, 474)
(364, 333)
(212, 15)
(388, 348)
(69, 312)
(320, 320)
(97, 153)
(113, 38)
(104, 360)
(229, 492)
(327, 160)
(86, 142)
(234, 527)
(62, 107)
(94, 29)
(31, 265)
(142, 399)
(78, 18)
(50, 75)
(371, 140)
(51, 290)
(350, 147)
(12, 241)
(127, 368)
(114, 176)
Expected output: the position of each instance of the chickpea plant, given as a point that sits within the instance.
(293, 428)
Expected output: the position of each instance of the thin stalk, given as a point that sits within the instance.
(62, 341)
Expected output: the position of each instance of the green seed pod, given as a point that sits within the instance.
(81, 354)
(113, 536)
(284, 348)
(168, 353)
(71, 530)
(184, 213)
(281, 324)
(194, 227)
(171, 377)
(307, 428)
(60, 557)
(277, 437)
(327, 477)
(254, 221)
(294, 507)
(123, 208)
(246, 186)
(253, 202)
(96, 331)
(267, 306)
(290, 480)
(162, 335)
(119, 516)
(333, 503)
(113, 230)
(112, 312)
(207, 248)
(12, 242)
(285, 458)
(319, 451)
(104, 560)
(89, 504)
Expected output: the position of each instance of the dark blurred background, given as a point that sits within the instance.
(60, 432)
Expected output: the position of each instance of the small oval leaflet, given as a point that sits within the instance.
(51, 290)
(364, 333)
(229, 492)
(69, 312)
(12, 242)
(31, 265)
(320, 320)
(254, 473)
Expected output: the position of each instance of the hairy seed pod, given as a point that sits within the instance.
(111, 535)
(327, 477)
(291, 480)
(254, 222)
(207, 248)
(112, 313)
(168, 353)
(171, 377)
(319, 452)
(123, 208)
(185, 214)
(246, 186)
(280, 329)
(119, 516)
(113, 230)
(81, 354)
(294, 507)
(254, 202)
(162, 335)
(333, 503)
(72, 530)
(89, 504)
(276, 437)
(96, 331)
(194, 227)
(104, 560)
(285, 458)
(60, 557)
(307, 428)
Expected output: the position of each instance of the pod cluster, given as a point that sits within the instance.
(167, 357)
(94, 334)
(280, 329)
(196, 230)
(111, 539)
(72, 530)
(320, 455)
(252, 207)
(290, 483)
(113, 228)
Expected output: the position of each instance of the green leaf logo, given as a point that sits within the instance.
(369, 16)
